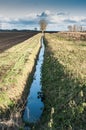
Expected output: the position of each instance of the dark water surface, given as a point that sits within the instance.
(34, 106)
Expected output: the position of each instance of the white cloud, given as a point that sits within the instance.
(47, 12)
(4, 19)
(56, 21)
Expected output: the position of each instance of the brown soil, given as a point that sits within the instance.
(9, 39)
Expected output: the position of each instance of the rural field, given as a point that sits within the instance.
(64, 83)
(42, 65)
(63, 79)
(17, 59)
(9, 38)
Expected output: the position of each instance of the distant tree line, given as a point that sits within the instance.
(76, 28)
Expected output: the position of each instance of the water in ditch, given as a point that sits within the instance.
(34, 105)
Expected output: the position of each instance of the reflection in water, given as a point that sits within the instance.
(34, 106)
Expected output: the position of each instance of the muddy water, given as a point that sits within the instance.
(34, 106)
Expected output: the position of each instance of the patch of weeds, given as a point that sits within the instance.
(21, 128)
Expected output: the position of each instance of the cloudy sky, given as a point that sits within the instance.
(26, 14)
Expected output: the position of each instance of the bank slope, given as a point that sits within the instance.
(64, 84)
(16, 65)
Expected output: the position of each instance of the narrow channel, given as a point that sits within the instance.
(34, 106)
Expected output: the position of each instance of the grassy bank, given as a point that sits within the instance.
(16, 65)
(64, 84)
(74, 36)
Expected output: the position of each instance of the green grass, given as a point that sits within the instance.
(3, 97)
(64, 85)
(16, 65)
(13, 61)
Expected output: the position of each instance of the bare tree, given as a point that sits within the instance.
(70, 28)
(35, 29)
(81, 29)
(75, 28)
(43, 25)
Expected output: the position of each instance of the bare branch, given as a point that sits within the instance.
(43, 25)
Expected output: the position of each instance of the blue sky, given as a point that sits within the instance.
(25, 14)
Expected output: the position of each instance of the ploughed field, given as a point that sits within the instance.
(9, 39)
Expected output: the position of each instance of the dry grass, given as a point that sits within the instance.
(73, 35)
(71, 55)
(64, 84)
(16, 64)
